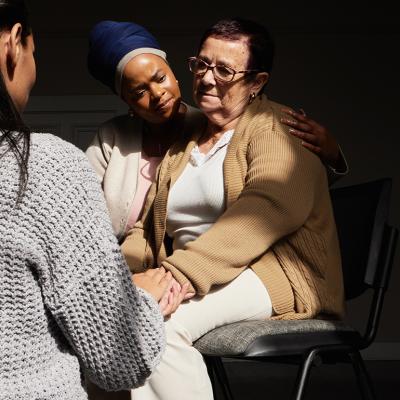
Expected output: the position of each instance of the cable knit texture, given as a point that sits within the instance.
(66, 296)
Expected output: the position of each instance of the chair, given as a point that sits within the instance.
(367, 245)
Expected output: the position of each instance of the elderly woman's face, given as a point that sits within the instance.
(223, 102)
(150, 88)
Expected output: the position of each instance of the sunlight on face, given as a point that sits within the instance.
(150, 88)
(223, 102)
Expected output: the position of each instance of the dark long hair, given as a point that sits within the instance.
(13, 132)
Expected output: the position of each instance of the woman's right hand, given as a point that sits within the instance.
(315, 137)
(156, 281)
(174, 297)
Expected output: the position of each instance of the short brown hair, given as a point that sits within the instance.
(261, 45)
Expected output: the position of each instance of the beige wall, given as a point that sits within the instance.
(338, 60)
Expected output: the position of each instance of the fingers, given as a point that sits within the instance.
(168, 307)
(175, 298)
(162, 281)
(156, 282)
(309, 141)
(164, 288)
(177, 285)
(300, 120)
(189, 295)
(185, 292)
(302, 126)
(315, 137)
(165, 280)
(315, 149)
(164, 301)
(298, 116)
(159, 274)
(312, 134)
(308, 137)
(180, 296)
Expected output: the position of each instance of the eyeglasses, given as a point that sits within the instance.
(221, 72)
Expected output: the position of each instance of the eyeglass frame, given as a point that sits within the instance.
(211, 67)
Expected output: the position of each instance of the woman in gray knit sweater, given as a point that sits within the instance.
(67, 301)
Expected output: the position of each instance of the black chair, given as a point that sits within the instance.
(367, 245)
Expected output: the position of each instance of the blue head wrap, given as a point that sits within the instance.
(112, 45)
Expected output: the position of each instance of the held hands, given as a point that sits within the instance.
(155, 281)
(163, 287)
(173, 297)
(315, 137)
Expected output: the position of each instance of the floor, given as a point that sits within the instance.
(250, 380)
(253, 381)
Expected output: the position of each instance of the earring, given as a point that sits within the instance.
(131, 113)
(252, 97)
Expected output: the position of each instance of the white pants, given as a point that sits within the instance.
(182, 373)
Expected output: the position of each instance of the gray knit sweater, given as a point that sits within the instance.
(66, 298)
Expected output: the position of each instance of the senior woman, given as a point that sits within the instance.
(246, 207)
(127, 149)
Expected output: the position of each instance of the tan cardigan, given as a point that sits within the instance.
(278, 221)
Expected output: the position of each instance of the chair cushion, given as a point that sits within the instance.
(274, 338)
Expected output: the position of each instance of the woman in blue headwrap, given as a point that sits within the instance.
(127, 149)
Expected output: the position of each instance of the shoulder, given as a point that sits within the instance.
(116, 122)
(195, 122)
(48, 147)
(262, 120)
(61, 183)
(265, 114)
(121, 129)
(56, 161)
(262, 129)
(121, 124)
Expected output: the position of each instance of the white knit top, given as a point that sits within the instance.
(197, 198)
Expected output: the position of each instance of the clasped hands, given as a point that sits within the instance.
(165, 289)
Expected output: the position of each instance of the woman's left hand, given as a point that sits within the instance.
(174, 297)
(155, 281)
(314, 136)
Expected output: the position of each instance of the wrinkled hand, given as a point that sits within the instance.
(155, 281)
(173, 297)
(314, 136)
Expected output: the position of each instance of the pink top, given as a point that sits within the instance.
(147, 172)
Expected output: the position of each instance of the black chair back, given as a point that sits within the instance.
(367, 244)
(361, 213)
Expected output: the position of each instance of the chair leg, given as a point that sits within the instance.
(220, 373)
(210, 370)
(364, 381)
(302, 375)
